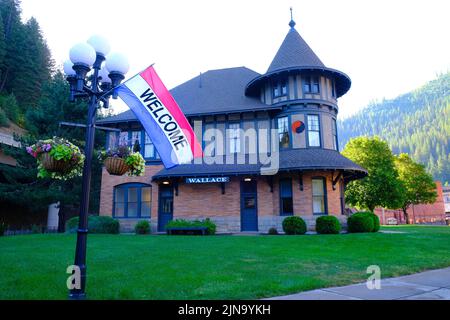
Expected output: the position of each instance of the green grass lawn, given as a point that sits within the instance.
(219, 267)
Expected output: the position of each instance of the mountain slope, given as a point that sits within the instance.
(417, 123)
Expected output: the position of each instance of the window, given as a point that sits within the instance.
(283, 132)
(132, 200)
(286, 203)
(112, 140)
(149, 148)
(315, 85)
(235, 137)
(135, 139)
(283, 88)
(334, 132)
(306, 84)
(319, 196)
(123, 138)
(276, 91)
(311, 84)
(279, 88)
(314, 131)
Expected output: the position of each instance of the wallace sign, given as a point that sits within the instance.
(208, 180)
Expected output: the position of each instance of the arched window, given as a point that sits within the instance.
(132, 200)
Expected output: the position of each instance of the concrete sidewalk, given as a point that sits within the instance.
(429, 285)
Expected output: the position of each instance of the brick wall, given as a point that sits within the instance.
(109, 182)
(200, 201)
(421, 213)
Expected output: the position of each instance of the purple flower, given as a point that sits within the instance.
(47, 147)
(30, 150)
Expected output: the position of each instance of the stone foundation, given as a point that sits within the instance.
(227, 224)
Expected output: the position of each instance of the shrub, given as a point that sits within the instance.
(328, 225)
(273, 231)
(96, 224)
(360, 222)
(142, 227)
(180, 223)
(376, 221)
(294, 225)
(35, 229)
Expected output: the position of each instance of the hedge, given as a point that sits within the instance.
(181, 223)
(142, 227)
(361, 222)
(328, 225)
(294, 225)
(96, 224)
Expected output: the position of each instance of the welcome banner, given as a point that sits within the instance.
(162, 118)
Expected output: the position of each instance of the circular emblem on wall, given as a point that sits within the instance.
(298, 127)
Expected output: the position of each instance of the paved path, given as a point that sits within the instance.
(429, 285)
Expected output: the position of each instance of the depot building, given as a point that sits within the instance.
(270, 142)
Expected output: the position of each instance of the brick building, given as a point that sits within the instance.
(446, 195)
(270, 144)
(433, 213)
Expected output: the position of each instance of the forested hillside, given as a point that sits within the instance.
(417, 123)
(25, 63)
(34, 96)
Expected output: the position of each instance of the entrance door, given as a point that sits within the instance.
(165, 210)
(249, 206)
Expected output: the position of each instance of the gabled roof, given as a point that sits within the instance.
(289, 160)
(294, 52)
(213, 92)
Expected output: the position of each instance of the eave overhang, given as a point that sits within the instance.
(343, 82)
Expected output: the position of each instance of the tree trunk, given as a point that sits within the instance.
(405, 213)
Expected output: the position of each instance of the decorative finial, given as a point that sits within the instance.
(292, 22)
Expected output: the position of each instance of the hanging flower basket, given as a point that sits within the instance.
(116, 166)
(57, 158)
(58, 166)
(121, 160)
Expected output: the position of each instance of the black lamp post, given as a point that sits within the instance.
(97, 87)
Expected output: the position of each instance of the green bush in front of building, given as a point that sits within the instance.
(96, 224)
(328, 225)
(142, 227)
(294, 226)
(375, 219)
(273, 231)
(360, 222)
(181, 223)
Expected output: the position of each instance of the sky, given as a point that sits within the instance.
(387, 47)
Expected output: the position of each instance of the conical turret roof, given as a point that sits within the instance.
(294, 52)
(295, 56)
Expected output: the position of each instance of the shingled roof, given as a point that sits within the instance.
(213, 92)
(290, 160)
(295, 56)
(294, 52)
